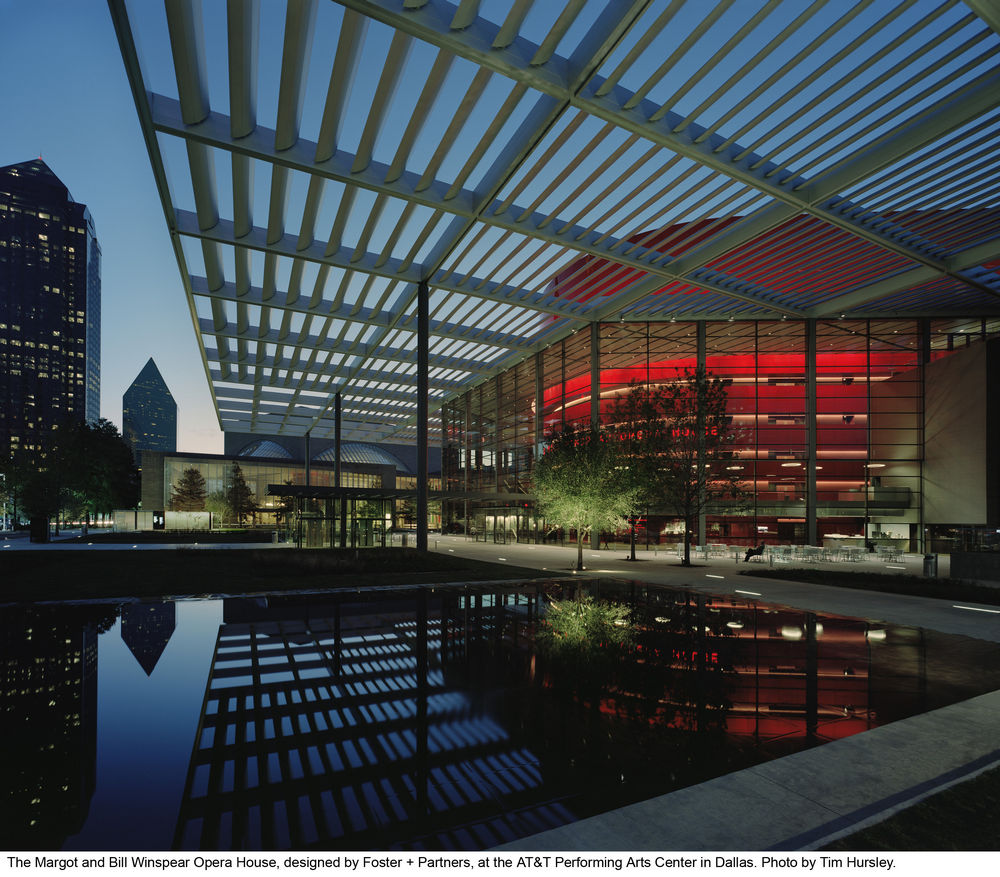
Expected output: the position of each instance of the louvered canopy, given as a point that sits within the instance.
(542, 165)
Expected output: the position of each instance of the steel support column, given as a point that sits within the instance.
(423, 347)
(702, 358)
(308, 452)
(342, 511)
(595, 401)
(812, 530)
(924, 329)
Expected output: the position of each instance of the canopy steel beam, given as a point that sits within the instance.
(970, 258)
(432, 24)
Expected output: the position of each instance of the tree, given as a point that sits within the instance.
(218, 506)
(87, 468)
(580, 483)
(678, 441)
(239, 496)
(189, 494)
(93, 467)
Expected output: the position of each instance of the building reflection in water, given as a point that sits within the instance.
(48, 715)
(146, 630)
(426, 718)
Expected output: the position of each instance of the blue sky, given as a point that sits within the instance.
(66, 98)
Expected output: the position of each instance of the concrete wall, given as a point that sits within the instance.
(894, 421)
(151, 480)
(955, 441)
(130, 520)
(187, 520)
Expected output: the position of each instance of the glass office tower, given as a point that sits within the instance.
(50, 309)
(149, 412)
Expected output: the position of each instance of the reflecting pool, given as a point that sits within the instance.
(447, 718)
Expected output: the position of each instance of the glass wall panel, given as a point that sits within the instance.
(553, 383)
(895, 433)
(956, 333)
(730, 355)
(506, 430)
(576, 386)
(624, 360)
(842, 390)
(523, 449)
(453, 443)
(868, 417)
(482, 436)
(673, 347)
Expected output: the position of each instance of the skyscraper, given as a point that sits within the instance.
(149, 413)
(50, 309)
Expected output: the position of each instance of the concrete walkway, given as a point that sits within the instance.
(723, 576)
(806, 800)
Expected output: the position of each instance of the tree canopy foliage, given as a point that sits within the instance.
(678, 443)
(580, 483)
(87, 470)
(239, 496)
(189, 493)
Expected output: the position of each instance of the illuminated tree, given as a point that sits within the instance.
(581, 483)
(239, 496)
(189, 493)
(677, 441)
(217, 506)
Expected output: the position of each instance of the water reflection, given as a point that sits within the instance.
(49, 720)
(146, 630)
(426, 718)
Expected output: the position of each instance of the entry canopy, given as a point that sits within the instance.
(543, 165)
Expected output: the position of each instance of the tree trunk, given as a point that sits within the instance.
(579, 548)
(631, 536)
(687, 544)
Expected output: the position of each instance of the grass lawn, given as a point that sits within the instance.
(964, 817)
(915, 586)
(74, 575)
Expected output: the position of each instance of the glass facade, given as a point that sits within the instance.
(217, 473)
(827, 416)
(149, 412)
(311, 518)
(50, 310)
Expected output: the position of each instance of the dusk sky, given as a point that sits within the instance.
(66, 98)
